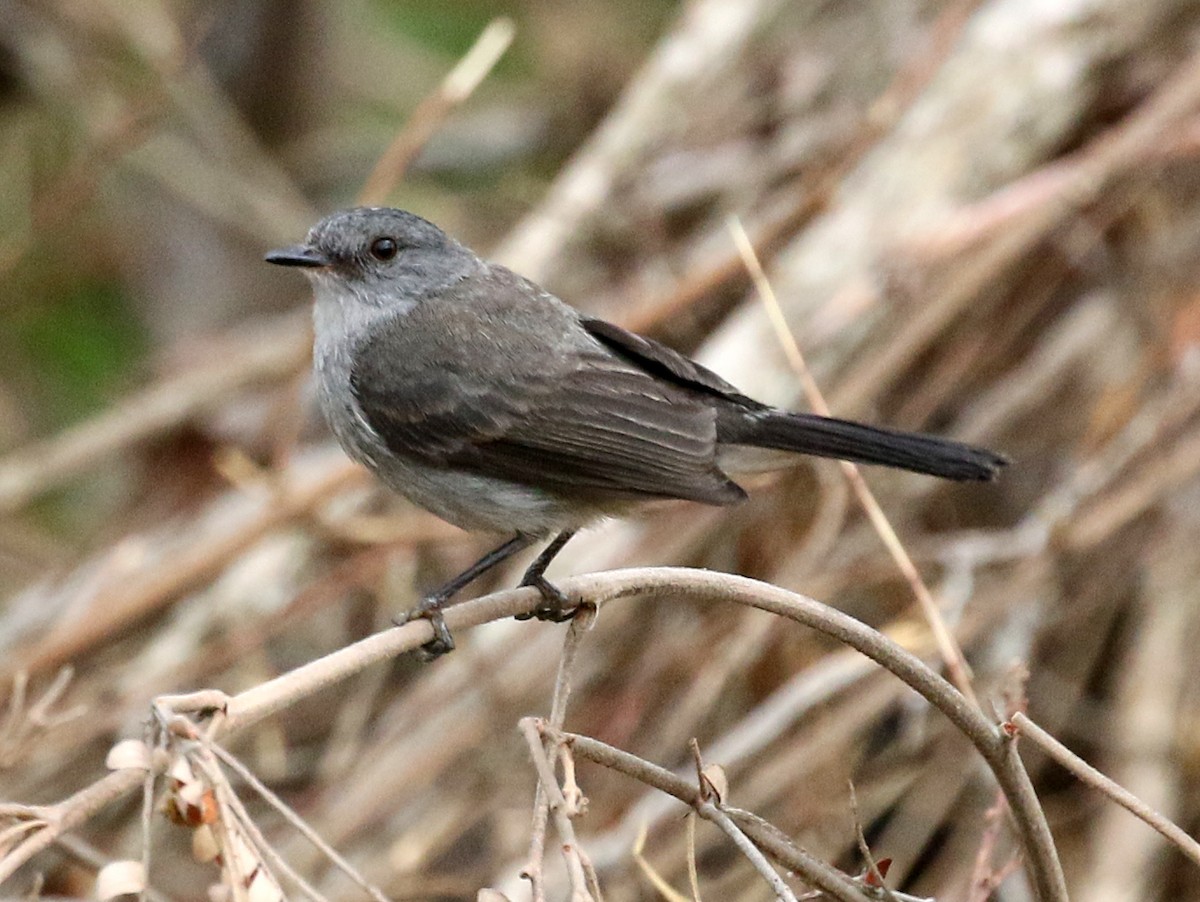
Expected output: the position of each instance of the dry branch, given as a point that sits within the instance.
(252, 706)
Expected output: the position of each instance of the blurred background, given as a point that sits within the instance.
(982, 219)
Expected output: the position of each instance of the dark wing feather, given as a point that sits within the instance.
(665, 362)
(513, 388)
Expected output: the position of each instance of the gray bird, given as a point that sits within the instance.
(488, 401)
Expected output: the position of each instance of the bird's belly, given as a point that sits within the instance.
(467, 500)
(475, 502)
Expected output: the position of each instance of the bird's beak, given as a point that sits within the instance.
(298, 255)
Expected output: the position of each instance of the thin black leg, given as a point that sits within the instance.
(493, 558)
(431, 605)
(555, 605)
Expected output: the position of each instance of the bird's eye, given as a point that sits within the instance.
(384, 248)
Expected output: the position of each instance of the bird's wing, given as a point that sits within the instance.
(665, 363)
(518, 391)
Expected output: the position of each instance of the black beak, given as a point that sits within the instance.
(297, 255)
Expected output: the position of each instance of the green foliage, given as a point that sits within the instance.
(429, 24)
(81, 348)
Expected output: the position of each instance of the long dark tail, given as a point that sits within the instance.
(807, 433)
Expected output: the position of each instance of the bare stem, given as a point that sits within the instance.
(457, 86)
(558, 712)
(812, 870)
(956, 662)
(530, 727)
(1091, 777)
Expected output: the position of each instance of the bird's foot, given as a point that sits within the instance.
(555, 606)
(430, 608)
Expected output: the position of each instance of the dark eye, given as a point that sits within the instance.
(383, 248)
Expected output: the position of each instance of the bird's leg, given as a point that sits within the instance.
(555, 605)
(430, 607)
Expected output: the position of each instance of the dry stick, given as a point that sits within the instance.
(558, 807)
(71, 812)
(985, 879)
(812, 870)
(865, 849)
(1174, 468)
(23, 723)
(294, 819)
(706, 792)
(1117, 153)
(693, 873)
(952, 654)
(236, 817)
(149, 781)
(251, 706)
(28, 820)
(709, 37)
(711, 812)
(705, 807)
(117, 605)
(1150, 133)
(460, 84)
(637, 850)
(1089, 776)
(818, 185)
(26, 473)
(1058, 513)
(712, 35)
(576, 806)
(580, 624)
(224, 828)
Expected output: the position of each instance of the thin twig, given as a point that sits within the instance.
(580, 624)
(189, 562)
(531, 728)
(956, 662)
(238, 820)
(266, 698)
(659, 882)
(147, 817)
(1093, 778)
(460, 84)
(865, 849)
(693, 874)
(22, 724)
(985, 878)
(298, 823)
(708, 803)
(810, 869)
(712, 812)
(68, 814)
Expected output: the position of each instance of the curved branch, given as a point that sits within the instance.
(998, 751)
(995, 747)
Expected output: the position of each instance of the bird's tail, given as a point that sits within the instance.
(806, 433)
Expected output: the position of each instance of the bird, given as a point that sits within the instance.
(485, 399)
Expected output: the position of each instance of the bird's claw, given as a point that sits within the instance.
(554, 607)
(430, 609)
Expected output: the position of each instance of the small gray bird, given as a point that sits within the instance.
(491, 403)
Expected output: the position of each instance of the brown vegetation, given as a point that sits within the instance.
(980, 218)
